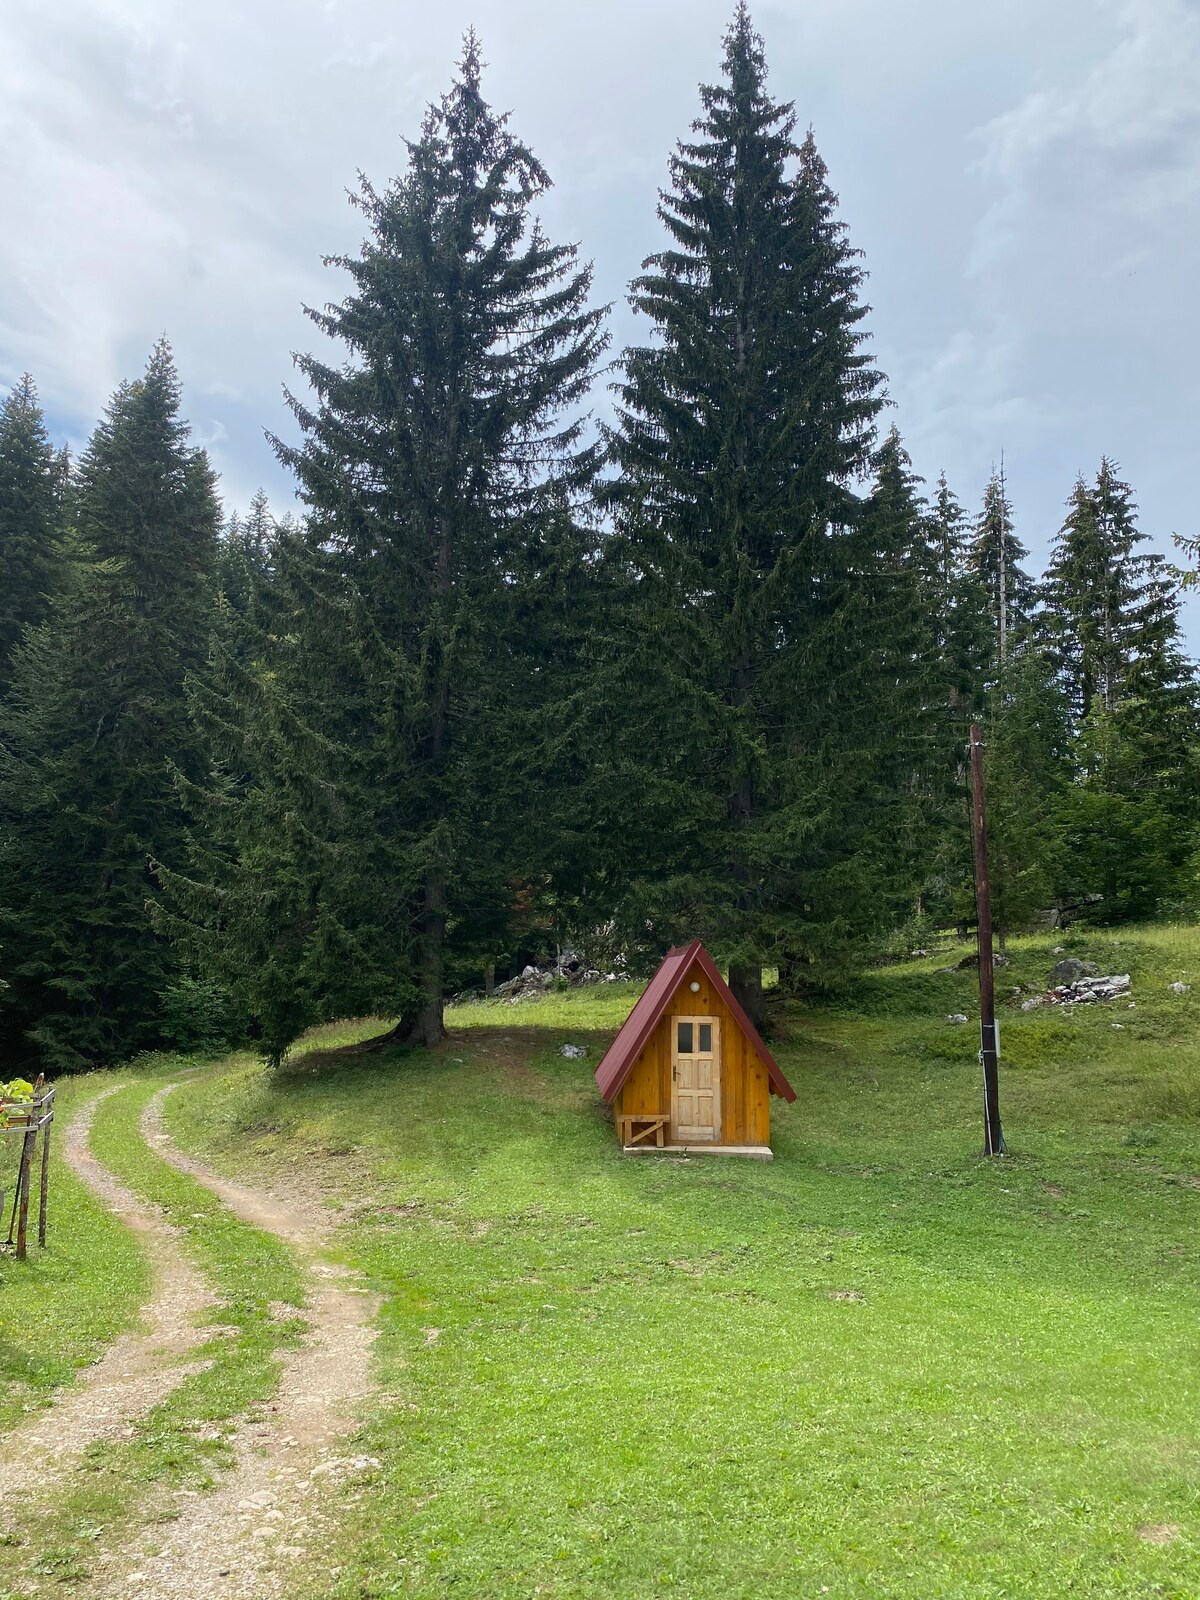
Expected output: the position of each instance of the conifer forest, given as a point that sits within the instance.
(566, 645)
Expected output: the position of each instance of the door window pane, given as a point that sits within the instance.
(685, 1038)
(706, 1038)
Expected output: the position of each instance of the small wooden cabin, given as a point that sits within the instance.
(688, 1071)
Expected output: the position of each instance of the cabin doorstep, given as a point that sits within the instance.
(688, 1070)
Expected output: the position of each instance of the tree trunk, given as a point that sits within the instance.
(745, 981)
(793, 971)
(489, 980)
(747, 986)
(430, 1025)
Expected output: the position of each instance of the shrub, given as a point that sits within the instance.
(198, 1016)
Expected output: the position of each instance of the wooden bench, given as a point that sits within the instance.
(652, 1123)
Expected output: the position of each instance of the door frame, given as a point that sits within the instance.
(696, 1019)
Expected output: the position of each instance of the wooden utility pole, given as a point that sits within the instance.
(989, 1043)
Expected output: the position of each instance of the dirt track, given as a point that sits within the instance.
(140, 1368)
(239, 1539)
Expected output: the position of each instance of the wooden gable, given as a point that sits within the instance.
(636, 1071)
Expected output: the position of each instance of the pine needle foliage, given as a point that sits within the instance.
(996, 557)
(33, 484)
(916, 647)
(742, 429)
(1111, 613)
(1027, 776)
(958, 598)
(94, 724)
(245, 562)
(1111, 621)
(369, 833)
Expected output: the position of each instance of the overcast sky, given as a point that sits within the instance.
(1023, 179)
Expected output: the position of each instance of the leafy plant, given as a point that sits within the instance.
(19, 1092)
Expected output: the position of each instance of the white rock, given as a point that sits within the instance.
(574, 1051)
(1087, 991)
(1180, 988)
(957, 1018)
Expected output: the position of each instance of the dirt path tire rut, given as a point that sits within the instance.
(237, 1541)
(139, 1368)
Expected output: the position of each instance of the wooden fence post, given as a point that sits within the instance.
(26, 1172)
(47, 1122)
(23, 1189)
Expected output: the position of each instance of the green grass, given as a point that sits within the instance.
(604, 1006)
(61, 1307)
(248, 1268)
(181, 1443)
(879, 1366)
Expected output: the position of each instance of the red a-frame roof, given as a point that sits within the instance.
(617, 1061)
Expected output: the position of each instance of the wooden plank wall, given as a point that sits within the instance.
(745, 1088)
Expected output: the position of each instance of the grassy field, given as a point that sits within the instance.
(878, 1366)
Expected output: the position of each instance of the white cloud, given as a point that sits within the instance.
(1024, 180)
(1079, 331)
(1098, 180)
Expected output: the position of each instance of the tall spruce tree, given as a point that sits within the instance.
(949, 535)
(1112, 624)
(742, 429)
(244, 559)
(1027, 775)
(1110, 605)
(369, 799)
(916, 752)
(961, 601)
(961, 643)
(95, 722)
(996, 557)
(928, 641)
(33, 481)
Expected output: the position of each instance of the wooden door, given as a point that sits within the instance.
(695, 1080)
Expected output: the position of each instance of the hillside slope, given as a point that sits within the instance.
(878, 1366)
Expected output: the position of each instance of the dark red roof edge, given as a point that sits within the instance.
(617, 1061)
